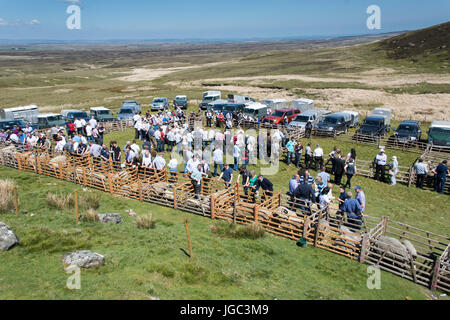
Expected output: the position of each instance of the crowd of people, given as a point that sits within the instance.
(199, 148)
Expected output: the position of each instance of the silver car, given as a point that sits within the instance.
(160, 104)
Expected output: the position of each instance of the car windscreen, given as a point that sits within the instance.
(406, 128)
(158, 101)
(180, 99)
(54, 118)
(372, 122)
(331, 120)
(278, 113)
(103, 112)
(301, 119)
(126, 111)
(77, 115)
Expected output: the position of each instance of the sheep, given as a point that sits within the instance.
(392, 247)
(410, 247)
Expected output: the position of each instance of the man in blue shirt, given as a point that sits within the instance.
(226, 175)
(293, 184)
(441, 176)
(353, 210)
(290, 150)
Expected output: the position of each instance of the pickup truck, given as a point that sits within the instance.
(333, 124)
(373, 128)
(408, 132)
(180, 101)
(279, 115)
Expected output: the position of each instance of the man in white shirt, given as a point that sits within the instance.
(218, 160)
(135, 147)
(318, 157)
(147, 159)
(159, 162)
(380, 165)
(93, 122)
(89, 132)
(78, 125)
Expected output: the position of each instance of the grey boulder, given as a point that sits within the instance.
(110, 217)
(83, 259)
(8, 238)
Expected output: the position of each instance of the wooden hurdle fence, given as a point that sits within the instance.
(322, 226)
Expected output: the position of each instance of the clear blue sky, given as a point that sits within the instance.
(202, 19)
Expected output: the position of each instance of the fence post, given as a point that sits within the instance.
(213, 206)
(255, 212)
(191, 255)
(84, 177)
(77, 217)
(140, 190)
(16, 200)
(316, 235)
(175, 197)
(364, 242)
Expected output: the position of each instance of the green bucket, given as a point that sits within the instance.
(302, 243)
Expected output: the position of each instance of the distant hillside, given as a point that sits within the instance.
(416, 45)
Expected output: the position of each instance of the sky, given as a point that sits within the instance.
(212, 19)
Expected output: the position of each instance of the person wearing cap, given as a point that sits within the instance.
(393, 170)
(380, 165)
(361, 197)
(354, 210)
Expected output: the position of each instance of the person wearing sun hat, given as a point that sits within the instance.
(393, 170)
(380, 165)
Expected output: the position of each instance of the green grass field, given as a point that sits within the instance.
(141, 263)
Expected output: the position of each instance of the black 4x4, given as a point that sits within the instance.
(408, 132)
(372, 128)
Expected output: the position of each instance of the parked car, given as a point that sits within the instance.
(102, 114)
(303, 104)
(334, 124)
(354, 123)
(386, 113)
(160, 104)
(133, 104)
(180, 101)
(439, 133)
(256, 110)
(71, 115)
(233, 108)
(373, 127)
(9, 124)
(315, 116)
(48, 120)
(208, 97)
(278, 116)
(408, 131)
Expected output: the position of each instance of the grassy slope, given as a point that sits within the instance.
(144, 263)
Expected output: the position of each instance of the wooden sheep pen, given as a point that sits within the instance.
(427, 264)
(413, 254)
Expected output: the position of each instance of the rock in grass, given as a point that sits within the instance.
(8, 239)
(110, 217)
(83, 259)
